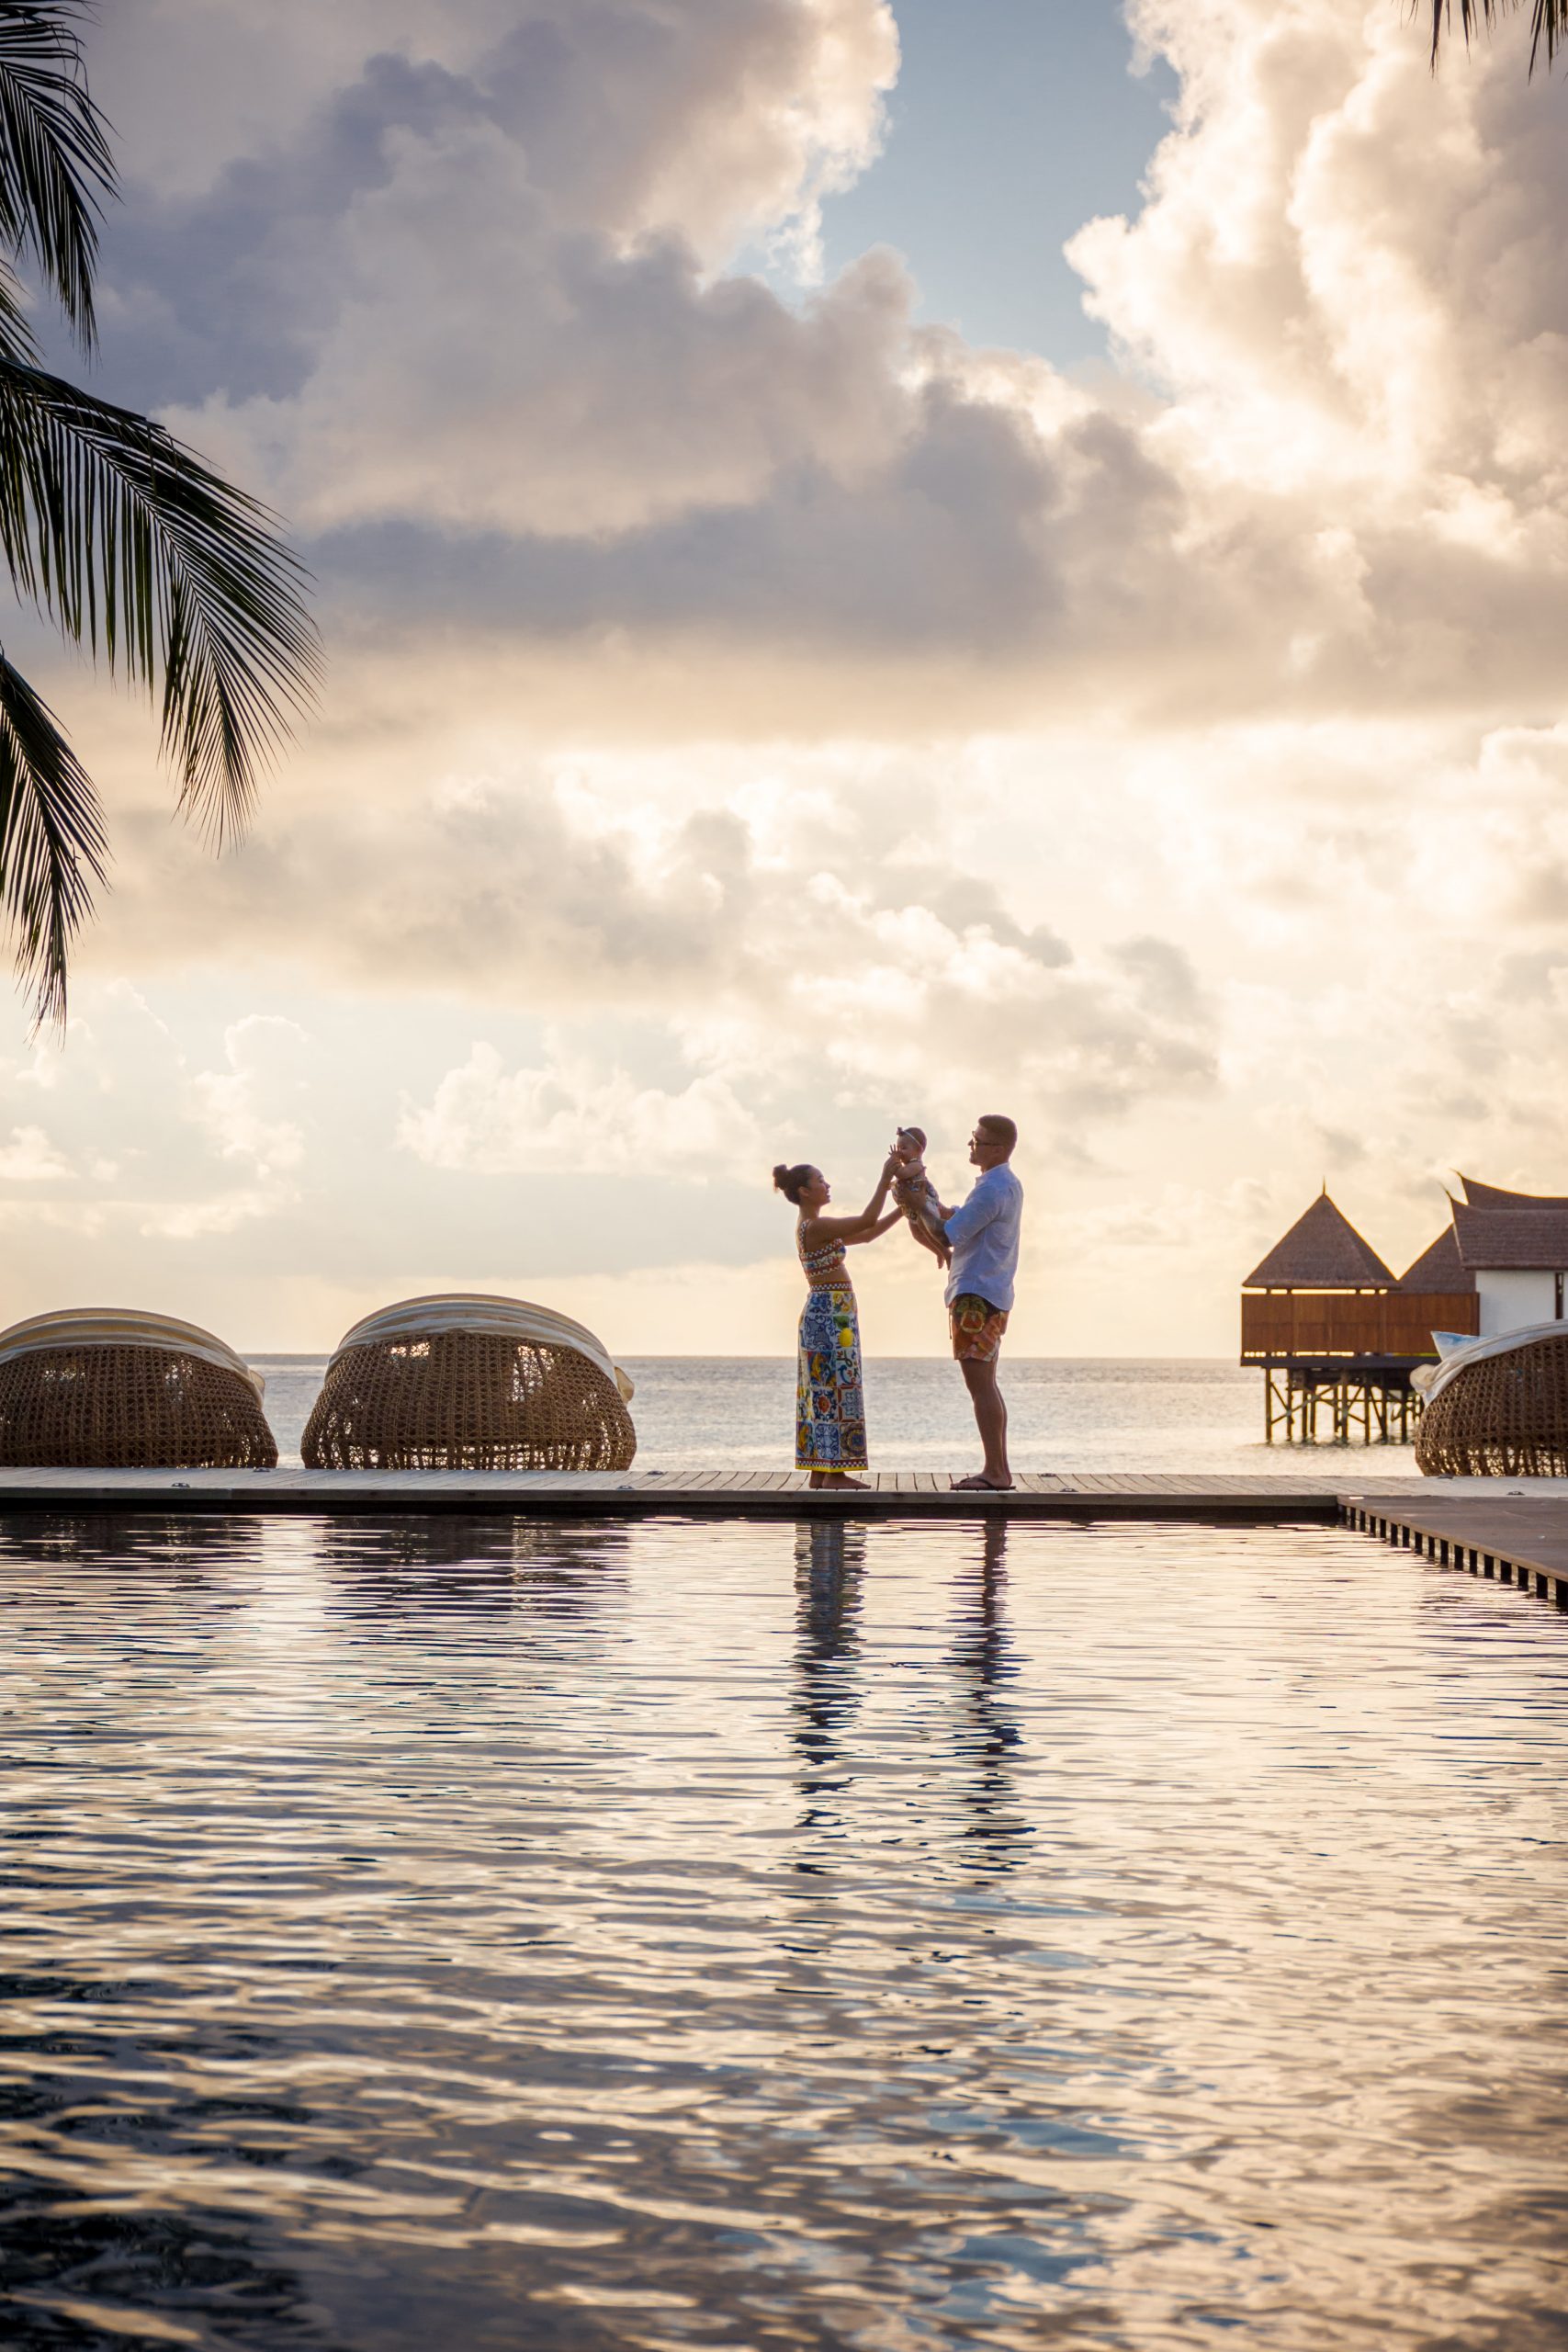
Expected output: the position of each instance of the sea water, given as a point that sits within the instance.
(1093, 1414)
(456, 1935)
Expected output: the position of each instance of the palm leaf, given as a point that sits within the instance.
(135, 548)
(142, 553)
(1549, 23)
(55, 164)
(16, 332)
(51, 840)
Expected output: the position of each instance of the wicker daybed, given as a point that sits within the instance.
(1497, 1408)
(108, 1389)
(470, 1383)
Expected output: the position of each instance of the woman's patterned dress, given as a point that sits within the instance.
(829, 1411)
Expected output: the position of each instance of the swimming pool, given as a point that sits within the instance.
(477, 1934)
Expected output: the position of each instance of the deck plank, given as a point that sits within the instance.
(1091, 1497)
(1513, 1538)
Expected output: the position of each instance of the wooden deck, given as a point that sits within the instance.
(1297, 1497)
(1519, 1535)
(638, 1494)
(1515, 1530)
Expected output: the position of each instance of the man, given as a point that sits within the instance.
(983, 1235)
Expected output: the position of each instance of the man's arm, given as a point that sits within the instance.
(971, 1216)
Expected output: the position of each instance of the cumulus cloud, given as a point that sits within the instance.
(190, 1152)
(561, 1116)
(793, 941)
(474, 286)
(1337, 251)
(468, 308)
(709, 118)
(30, 1157)
(1166, 757)
(261, 1056)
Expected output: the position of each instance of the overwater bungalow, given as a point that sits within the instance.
(1337, 1334)
(1513, 1247)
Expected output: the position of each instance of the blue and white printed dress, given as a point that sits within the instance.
(830, 1410)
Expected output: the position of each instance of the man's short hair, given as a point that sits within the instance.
(998, 1130)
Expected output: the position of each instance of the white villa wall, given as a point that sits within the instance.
(1510, 1300)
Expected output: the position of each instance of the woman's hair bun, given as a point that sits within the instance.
(781, 1177)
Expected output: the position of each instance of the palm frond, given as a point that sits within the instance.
(51, 841)
(143, 554)
(1549, 23)
(55, 164)
(16, 328)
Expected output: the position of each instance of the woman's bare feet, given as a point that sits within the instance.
(841, 1480)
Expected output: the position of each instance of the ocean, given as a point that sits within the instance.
(1095, 1413)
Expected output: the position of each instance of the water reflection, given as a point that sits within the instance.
(86, 2085)
(81, 2282)
(389, 1571)
(830, 1570)
(192, 1554)
(987, 1740)
(478, 1934)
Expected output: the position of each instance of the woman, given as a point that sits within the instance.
(830, 1412)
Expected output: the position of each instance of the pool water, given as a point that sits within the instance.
(481, 1934)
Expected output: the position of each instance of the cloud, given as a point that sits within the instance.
(808, 936)
(468, 310)
(145, 1145)
(706, 116)
(466, 318)
(563, 1117)
(261, 1056)
(475, 285)
(753, 716)
(31, 1158)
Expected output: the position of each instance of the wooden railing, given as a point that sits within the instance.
(1299, 1323)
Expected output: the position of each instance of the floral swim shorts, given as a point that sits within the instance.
(976, 1326)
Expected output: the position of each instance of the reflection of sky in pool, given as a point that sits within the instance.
(482, 1934)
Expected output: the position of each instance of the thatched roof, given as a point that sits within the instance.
(1531, 1239)
(1439, 1267)
(1321, 1251)
(1493, 1196)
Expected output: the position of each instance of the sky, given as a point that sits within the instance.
(877, 563)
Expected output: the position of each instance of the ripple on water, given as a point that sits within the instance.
(478, 1934)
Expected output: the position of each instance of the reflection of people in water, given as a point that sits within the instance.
(829, 1565)
(975, 1741)
(988, 1738)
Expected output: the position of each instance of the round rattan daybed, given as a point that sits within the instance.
(1498, 1409)
(108, 1389)
(470, 1383)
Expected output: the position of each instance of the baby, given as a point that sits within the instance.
(916, 1194)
